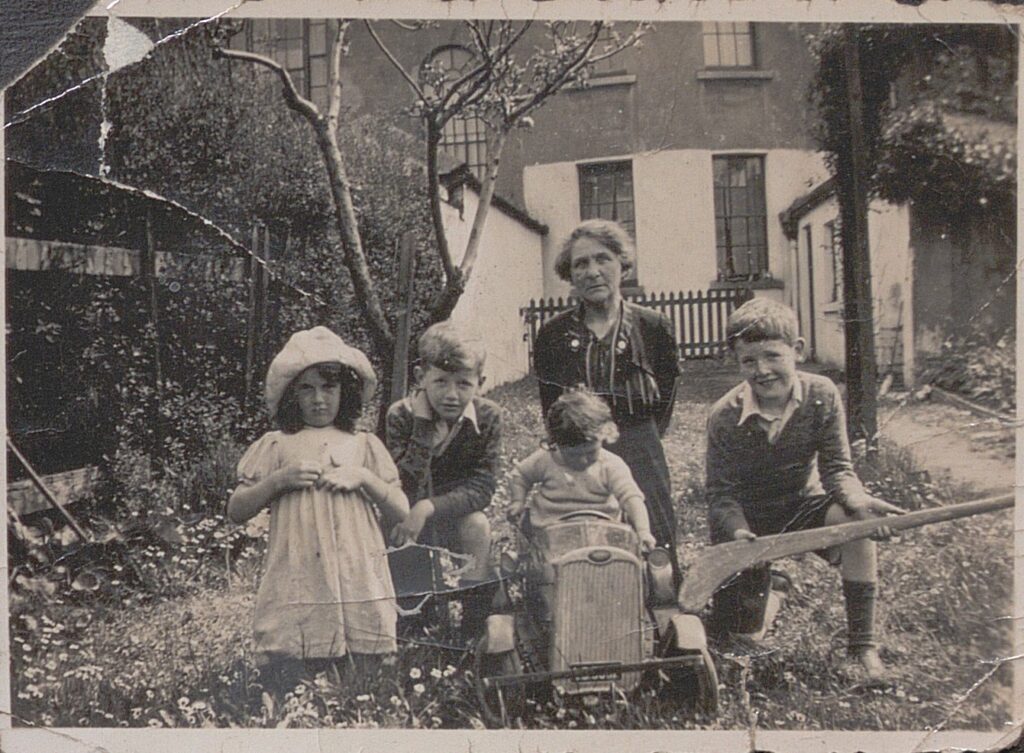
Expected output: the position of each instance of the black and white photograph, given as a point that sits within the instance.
(572, 377)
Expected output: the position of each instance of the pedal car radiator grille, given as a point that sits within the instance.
(597, 617)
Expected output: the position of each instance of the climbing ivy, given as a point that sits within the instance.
(939, 111)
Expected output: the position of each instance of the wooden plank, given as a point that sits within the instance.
(33, 255)
(68, 487)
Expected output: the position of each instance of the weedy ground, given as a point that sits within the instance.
(165, 640)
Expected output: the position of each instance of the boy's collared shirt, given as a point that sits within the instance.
(443, 434)
(772, 425)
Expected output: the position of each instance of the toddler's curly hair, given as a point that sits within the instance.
(580, 416)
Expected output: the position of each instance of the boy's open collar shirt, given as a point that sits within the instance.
(441, 435)
(772, 425)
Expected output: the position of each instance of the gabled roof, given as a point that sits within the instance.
(463, 176)
(790, 217)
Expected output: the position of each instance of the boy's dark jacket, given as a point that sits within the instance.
(460, 480)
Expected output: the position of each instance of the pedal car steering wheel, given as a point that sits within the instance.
(596, 514)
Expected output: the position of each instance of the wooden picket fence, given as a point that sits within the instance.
(698, 318)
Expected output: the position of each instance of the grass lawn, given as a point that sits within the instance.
(187, 661)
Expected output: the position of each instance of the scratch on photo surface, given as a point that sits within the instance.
(20, 117)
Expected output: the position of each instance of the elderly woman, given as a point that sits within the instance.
(621, 351)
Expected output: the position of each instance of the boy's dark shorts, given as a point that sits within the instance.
(739, 606)
(442, 532)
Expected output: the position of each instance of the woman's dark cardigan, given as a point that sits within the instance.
(560, 353)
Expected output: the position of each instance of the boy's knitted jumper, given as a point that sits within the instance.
(758, 486)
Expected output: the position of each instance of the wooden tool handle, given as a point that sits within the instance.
(718, 563)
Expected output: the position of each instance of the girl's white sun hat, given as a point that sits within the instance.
(307, 348)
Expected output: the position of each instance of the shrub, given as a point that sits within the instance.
(979, 367)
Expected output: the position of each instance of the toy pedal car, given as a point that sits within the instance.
(591, 616)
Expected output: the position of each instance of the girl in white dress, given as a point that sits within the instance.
(326, 590)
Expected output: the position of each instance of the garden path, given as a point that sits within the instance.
(952, 443)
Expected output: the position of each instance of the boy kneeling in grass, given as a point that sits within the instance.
(778, 459)
(446, 442)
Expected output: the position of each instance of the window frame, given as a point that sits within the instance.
(718, 35)
(458, 149)
(588, 169)
(725, 251)
(272, 48)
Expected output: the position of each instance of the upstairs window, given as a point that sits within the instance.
(301, 46)
(741, 228)
(728, 44)
(606, 192)
(611, 66)
(464, 137)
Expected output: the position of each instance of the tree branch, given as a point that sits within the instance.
(295, 100)
(326, 131)
(434, 195)
(413, 84)
(334, 77)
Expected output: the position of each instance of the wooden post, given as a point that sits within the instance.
(861, 370)
(406, 278)
(258, 294)
(252, 270)
(149, 271)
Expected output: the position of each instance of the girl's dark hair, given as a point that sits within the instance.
(350, 407)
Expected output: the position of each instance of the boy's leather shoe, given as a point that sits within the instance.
(867, 668)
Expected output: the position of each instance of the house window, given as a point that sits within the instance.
(606, 191)
(740, 218)
(728, 44)
(301, 46)
(464, 136)
(836, 253)
(610, 66)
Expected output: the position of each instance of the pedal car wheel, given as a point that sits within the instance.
(696, 684)
(500, 706)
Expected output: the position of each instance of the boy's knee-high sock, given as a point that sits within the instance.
(860, 614)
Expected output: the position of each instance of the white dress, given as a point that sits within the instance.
(326, 587)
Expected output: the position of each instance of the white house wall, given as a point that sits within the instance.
(675, 214)
(889, 244)
(507, 274)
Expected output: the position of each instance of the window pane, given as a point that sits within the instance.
(317, 37)
(319, 95)
(317, 72)
(744, 50)
(711, 50)
(728, 45)
(727, 52)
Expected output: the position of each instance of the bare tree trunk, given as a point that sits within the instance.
(434, 194)
(326, 130)
(352, 245)
(449, 297)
